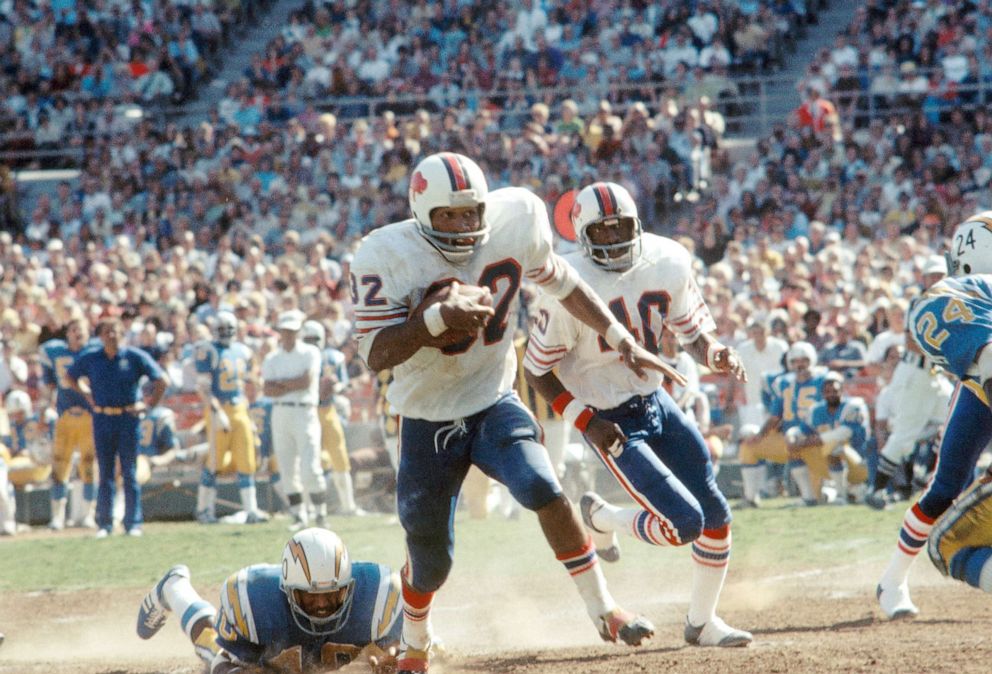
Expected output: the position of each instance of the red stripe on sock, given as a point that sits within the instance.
(581, 552)
(722, 532)
(414, 599)
(922, 517)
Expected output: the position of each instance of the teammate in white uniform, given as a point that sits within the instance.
(292, 375)
(453, 364)
(637, 429)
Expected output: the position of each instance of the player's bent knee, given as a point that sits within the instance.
(431, 563)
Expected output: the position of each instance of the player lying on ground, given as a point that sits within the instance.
(315, 612)
(636, 428)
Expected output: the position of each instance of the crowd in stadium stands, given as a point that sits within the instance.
(66, 64)
(823, 231)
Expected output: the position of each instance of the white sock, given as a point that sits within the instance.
(839, 477)
(985, 577)
(753, 479)
(800, 475)
(299, 511)
(180, 596)
(58, 512)
(206, 499)
(636, 523)
(346, 490)
(710, 557)
(912, 538)
(583, 566)
(249, 499)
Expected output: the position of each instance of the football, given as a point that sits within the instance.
(453, 335)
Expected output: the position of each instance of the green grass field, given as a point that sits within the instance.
(774, 537)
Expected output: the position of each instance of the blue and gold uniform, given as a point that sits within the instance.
(227, 366)
(790, 400)
(114, 384)
(334, 450)
(256, 625)
(851, 414)
(26, 445)
(74, 428)
(156, 435)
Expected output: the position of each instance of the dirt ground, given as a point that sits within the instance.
(814, 621)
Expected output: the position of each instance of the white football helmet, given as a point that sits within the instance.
(971, 246)
(316, 561)
(313, 333)
(18, 401)
(449, 180)
(798, 351)
(611, 205)
(225, 327)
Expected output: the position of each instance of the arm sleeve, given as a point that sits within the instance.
(78, 368)
(378, 302)
(554, 332)
(232, 623)
(688, 315)
(543, 266)
(386, 617)
(151, 369)
(203, 358)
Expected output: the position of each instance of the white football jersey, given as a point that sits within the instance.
(396, 267)
(658, 289)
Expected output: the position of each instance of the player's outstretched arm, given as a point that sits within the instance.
(604, 435)
(708, 350)
(446, 316)
(586, 306)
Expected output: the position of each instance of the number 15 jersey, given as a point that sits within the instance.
(396, 267)
(659, 289)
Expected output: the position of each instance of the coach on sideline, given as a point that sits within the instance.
(112, 374)
(292, 376)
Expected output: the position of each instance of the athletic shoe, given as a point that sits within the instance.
(877, 500)
(1, 638)
(206, 517)
(154, 608)
(895, 602)
(620, 625)
(412, 660)
(716, 633)
(102, 533)
(256, 517)
(746, 503)
(607, 545)
(135, 532)
(88, 522)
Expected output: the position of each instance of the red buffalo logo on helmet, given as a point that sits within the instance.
(576, 210)
(418, 184)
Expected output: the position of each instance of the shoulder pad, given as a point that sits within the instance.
(236, 606)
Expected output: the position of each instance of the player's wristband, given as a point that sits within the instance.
(711, 351)
(615, 334)
(573, 411)
(434, 320)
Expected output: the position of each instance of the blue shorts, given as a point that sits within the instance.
(665, 465)
(503, 441)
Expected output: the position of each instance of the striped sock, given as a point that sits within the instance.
(913, 535)
(583, 566)
(710, 556)
(186, 603)
(972, 566)
(416, 613)
(650, 528)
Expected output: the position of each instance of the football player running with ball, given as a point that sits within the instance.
(458, 263)
(951, 322)
(636, 428)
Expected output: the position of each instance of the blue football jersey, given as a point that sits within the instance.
(157, 432)
(771, 384)
(227, 366)
(56, 358)
(952, 320)
(794, 399)
(30, 432)
(255, 623)
(333, 365)
(260, 412)
(852, 413)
